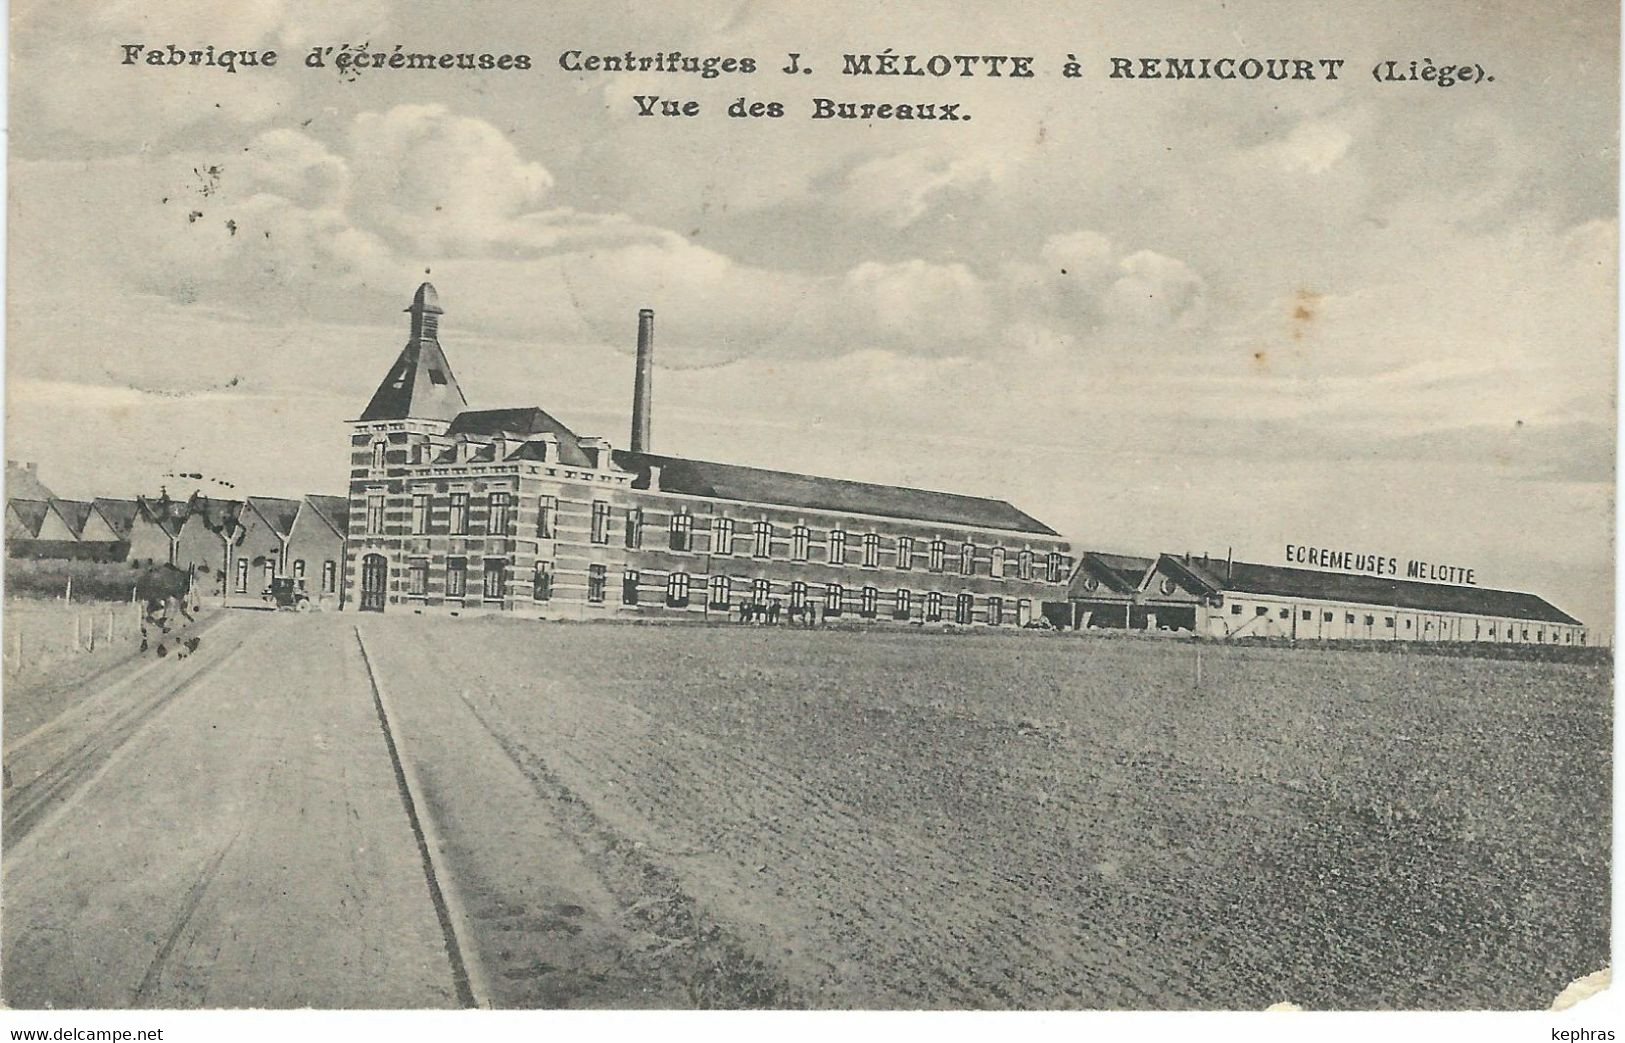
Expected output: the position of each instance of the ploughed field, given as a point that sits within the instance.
(749, 816)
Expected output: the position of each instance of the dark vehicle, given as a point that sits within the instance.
(285, 593)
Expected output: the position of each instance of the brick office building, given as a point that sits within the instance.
(460, 510)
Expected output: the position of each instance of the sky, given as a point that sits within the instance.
(1160, 316)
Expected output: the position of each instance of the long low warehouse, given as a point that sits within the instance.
(1223, 598)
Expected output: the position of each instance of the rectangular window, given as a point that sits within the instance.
(541, 581)
(870, 605)
(330, 573)
(547, 521)
(939, 551)
(903, 606)
(871, 550)
(629, 587)
(1307, 615)
(682, 531)
(1024, 564)
(798, 594)
(456, 577)
(760, 591)
(837, 547)
(242, 575)
(299, 572)
(1263, 611)
(721, 591)
(270, 573)
(1235, 610)
(417, 577)
(501, 507)
(1389, 622)
(634, 528)
(964, 607)
(378, 449)
(677, 590)
(1024, 612)
(459, 514)
(933, 607)
(722, 536)
(995, 611)
(600, 521)
(1055, 567)
(1286, 613)
(420, 513)
(1325, 617)
(1370, 620)
(800, 540)
(905, 552)
(996, 563)
(496, 578)
(1348, 618)
(375, 513)
(833, 596)
(967, 559)
(764, 538)
(597, 580)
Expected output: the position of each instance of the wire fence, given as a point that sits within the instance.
(39, 634)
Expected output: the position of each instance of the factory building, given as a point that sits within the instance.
(459, 510)
(1223, 598)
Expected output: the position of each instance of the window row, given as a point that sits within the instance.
(330, 575)
(493, 578)
(832, 598)
(500, 518)
(1355, 619)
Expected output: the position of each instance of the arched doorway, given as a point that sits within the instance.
(374, 581)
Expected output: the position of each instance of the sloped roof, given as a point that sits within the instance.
(74, 512)
(1250, 578)
(30, 512)
(216, 513)
(334, 509)
(120, 514)
(277, 511)
(168, 516)
(1111, 573)
(782, 488)
(525, 420)
(420, 383)
(22, 483)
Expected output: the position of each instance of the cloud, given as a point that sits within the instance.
(438, 184)
(899, 188)
(71, 81)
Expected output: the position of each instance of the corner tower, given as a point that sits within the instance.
(405, 423)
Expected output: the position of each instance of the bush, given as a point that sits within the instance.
(92, 580)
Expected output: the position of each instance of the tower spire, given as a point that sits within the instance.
(420, 384)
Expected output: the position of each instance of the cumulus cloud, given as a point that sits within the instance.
(441, 184)
(900, 187)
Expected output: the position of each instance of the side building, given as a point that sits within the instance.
(459, 510)
(1222, 598)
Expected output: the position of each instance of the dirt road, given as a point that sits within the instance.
(338, 811)
(223, 831)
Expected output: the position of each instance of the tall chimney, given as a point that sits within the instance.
(641, 390)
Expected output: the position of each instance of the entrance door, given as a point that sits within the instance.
(374, 578)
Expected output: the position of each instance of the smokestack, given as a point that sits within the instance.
(641, 391)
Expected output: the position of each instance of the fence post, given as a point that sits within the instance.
(78, 641)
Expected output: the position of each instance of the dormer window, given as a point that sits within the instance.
(437, 376)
